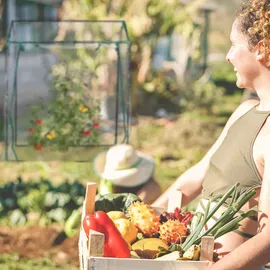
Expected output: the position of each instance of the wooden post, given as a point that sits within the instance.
(175, 200)
(207, 248)
(96, 244)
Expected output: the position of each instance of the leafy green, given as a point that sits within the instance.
(50, 203)
(1, 206)
(9, 203)
(71, 225)
(63, 188)
(32, 201)
(115, 202)
(17, 217)
(58, 215)
(163, 251)
(56, 199)
(77, 189)
(140, 236)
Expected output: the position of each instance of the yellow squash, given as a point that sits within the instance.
(127, 229)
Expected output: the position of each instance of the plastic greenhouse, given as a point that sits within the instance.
(67, 91)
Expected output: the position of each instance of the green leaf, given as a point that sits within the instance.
(34, 200)
(73, 223)
(163, 251)
(17, 217)
(115, 202)
(56, 199)
(9, 203)
(50, 200)
(58, 215)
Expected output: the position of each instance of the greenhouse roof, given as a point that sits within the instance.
(45, 2)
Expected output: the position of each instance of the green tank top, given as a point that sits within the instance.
(233, 161)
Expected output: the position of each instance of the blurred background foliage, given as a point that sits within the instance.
(184, 26)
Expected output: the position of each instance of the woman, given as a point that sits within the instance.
(242, 152)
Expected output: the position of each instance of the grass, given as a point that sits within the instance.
(13, 262)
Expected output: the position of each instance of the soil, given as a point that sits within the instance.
(34, 242)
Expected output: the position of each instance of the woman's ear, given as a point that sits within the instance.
(260, 51)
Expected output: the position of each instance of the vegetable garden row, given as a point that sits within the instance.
(39, 201)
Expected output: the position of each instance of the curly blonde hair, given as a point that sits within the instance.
(253, 20)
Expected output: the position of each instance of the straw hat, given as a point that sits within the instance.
(124, 166)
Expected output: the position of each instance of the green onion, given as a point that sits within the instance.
(227, 221)
(189, 241)
(234, 223)
(195, 221)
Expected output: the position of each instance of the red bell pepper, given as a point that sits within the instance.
(114, 245)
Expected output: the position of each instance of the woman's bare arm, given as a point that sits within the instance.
(190, 182)
(255, 252)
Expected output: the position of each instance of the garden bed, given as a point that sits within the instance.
(33, 242)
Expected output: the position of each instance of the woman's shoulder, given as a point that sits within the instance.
(243, 108)
(248, 104)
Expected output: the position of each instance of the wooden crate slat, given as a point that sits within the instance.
(175, 200)
(96, 244)
(98, 263)
(88, 208)
(207, 248)
(83, 250)
(90, 196)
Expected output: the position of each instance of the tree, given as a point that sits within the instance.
(147, 21)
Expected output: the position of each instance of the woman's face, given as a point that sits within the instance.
(243, 59)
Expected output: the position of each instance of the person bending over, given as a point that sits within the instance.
(123, 169)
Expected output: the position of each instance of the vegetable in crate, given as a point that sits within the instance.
(173, 232)
(114, 246)
(148, 248)
(124, 225)
(227, 222)
(127, 229)
(173, 228)
(193, 253)
(177, 214)
(115, 202)
(114, 215)
(144, 218)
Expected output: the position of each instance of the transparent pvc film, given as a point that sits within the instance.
(67, 91)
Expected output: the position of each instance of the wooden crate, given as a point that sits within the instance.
(91, 250)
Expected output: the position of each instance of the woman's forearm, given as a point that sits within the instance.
(251, 255)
